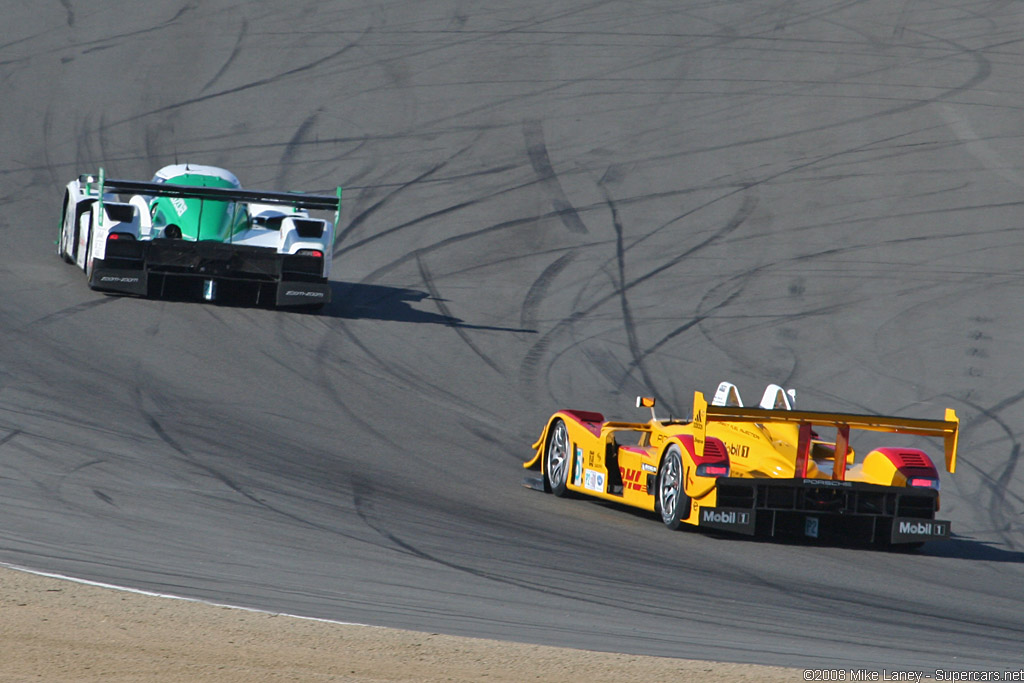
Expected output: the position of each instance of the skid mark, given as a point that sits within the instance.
(537, 151)
(428, 282)
(539, 289)
(9, 437)
(628, 323)
(69, 11)
(531, 361)
(382, 202)
(57, 316)
(231, 58)
(996, 481)
(291, 150)
(284, 75)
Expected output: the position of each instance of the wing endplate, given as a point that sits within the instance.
(700, 424)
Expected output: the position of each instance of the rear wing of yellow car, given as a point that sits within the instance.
(947, 429)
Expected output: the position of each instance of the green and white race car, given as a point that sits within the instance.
(193, 230)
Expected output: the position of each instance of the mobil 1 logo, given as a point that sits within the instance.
(728, 519)
(909, 530)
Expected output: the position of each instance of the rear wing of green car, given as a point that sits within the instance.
(947, 429)
(149, 189)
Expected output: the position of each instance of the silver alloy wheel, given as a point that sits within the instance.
(557, 457)
(670, 485)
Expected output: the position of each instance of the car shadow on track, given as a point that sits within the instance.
(956, 547)
(353, 300)
(963, 548)
(349, 300)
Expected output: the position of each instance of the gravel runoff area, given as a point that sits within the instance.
(54, 629)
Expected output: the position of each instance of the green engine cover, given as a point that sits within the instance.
(199, 219)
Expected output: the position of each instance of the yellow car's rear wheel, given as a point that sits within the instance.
(672, 502)
(556, 458)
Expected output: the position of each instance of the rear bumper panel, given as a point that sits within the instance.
(292, 293)
(296, 279)
(126, 280)
(817, 508)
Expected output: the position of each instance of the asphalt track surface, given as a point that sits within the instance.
(548, 205)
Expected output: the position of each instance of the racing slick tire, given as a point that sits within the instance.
(62, 236)
(88, 253)
(556, 459)
(671, 501)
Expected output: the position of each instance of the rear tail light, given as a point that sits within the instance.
(712, 470)
(120, 236)
(924, 482)
(316, 253)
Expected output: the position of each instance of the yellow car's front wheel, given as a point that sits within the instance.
(556, 458)
(672, 503)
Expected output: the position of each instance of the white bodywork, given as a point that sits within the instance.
(84, 231)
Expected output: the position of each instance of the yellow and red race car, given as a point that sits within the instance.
(761, 470)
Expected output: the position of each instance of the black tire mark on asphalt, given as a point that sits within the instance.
(538, 290)
(417, 382)
(164, 436)
(426, 175)
(537, 151)
(58, 488)
(547, 91)
(105, 498)
(110, 41)
(982, 72)
(57, 316)
(322, 379)
(998, 481)
(296, 71)
(745, 213)
(234, 486)
(51, 167)
(628, 323)
(785, 16)
(360, 218)
(292, 148)
(436, 214)
(231, 58)
(69, 11)
(428, 282)
(363, 493)
(8, 437)
(532, 359)
(903, 19)
(449, 241)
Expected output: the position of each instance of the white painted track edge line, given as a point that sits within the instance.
(154, 594)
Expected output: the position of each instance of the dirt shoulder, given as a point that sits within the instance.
(59, 630)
